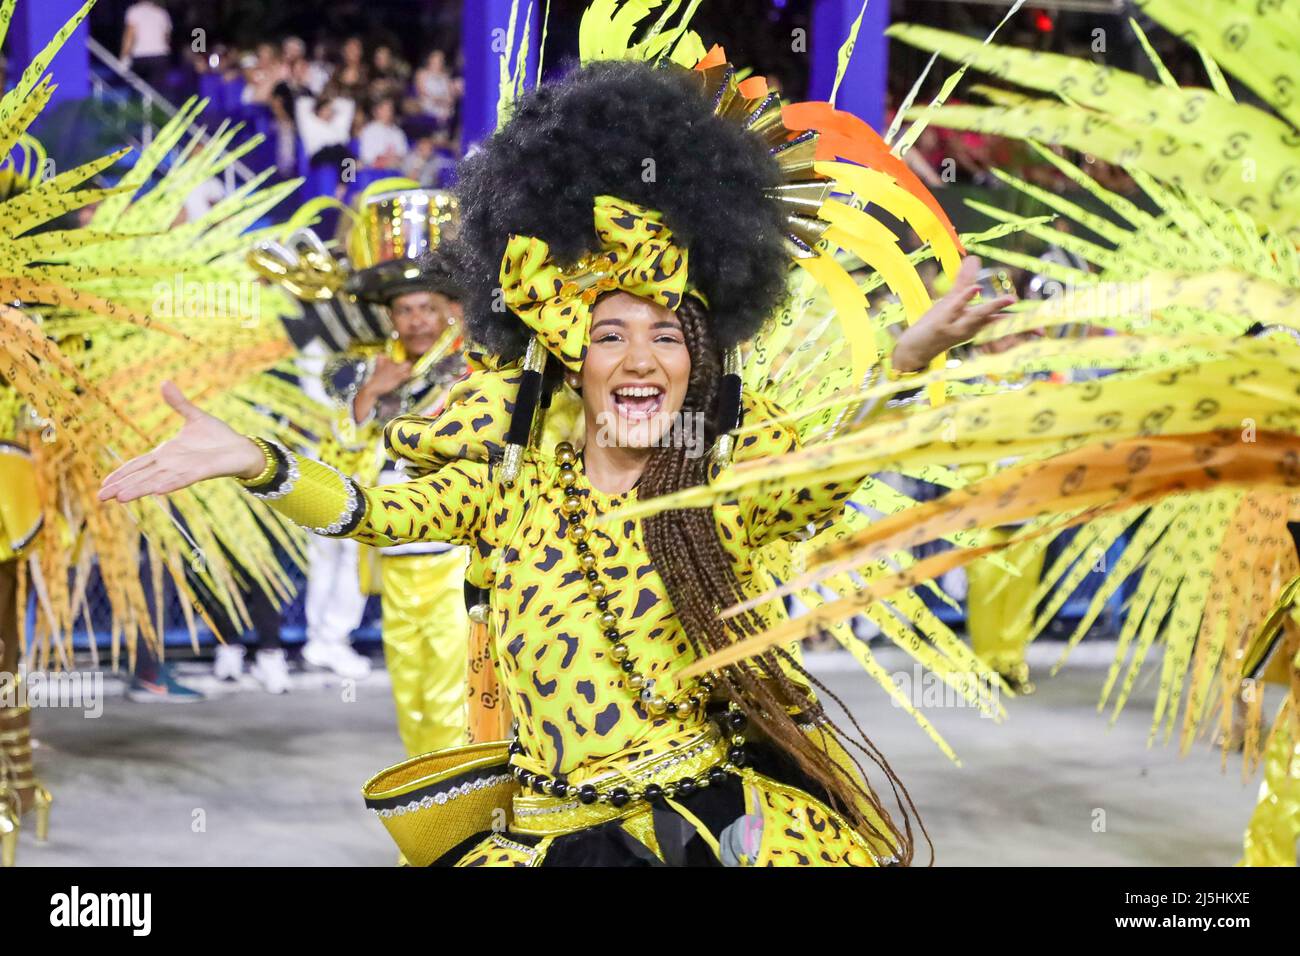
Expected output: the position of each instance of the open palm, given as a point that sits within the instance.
(953, 319)
(206, 447)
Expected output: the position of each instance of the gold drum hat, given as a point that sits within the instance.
(393, 230)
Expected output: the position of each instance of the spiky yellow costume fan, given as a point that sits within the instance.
(1223, 176)
(110, 311)
(1220, 259)
(616, 756)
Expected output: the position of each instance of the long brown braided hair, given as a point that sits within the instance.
(698, 575)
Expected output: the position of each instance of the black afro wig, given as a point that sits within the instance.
(642, 134)
(439, 271)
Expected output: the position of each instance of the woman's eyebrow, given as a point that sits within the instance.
(609, 321)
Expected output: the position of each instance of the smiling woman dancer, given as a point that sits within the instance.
(620, 762)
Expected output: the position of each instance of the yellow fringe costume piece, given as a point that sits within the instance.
(1274, 828)
(1181, 446)
(133, 300)
(1220, 174)
(96, 317)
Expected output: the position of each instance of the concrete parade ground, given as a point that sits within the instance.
(247, 779)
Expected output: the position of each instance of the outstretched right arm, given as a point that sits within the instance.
(449, 505)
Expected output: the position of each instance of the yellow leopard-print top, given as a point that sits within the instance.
(576, 715)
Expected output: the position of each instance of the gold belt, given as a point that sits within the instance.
(540, 815)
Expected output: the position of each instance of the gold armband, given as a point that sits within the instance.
(279, 476)
(265, 475)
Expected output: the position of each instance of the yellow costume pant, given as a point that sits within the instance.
(1275, 825)
(1000, 610)
(426, 635)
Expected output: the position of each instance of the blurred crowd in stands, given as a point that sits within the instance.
(341, 111)
(340, 114)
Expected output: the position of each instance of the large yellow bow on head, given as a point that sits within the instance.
(637, 256)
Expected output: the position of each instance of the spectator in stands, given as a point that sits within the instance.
(320, 69)
(430, 162)
(352, 77)
(382, 143)
(284, 99)
(147, 42)
(263, 73)
(292, 52)
(389, 75)
(436, 89)
(325, 127)
(285, 135)
(295, 86)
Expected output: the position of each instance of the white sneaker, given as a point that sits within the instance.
(271, 670)
(339, 658)
(229, 663)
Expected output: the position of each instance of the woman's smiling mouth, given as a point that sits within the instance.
(638, 402)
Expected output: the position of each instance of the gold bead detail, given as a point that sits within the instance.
(564, 453)
(572, 504)
(607, 620)
(577, 532)
(635, 681)
(587, 560)
(619, 652)
(658, 705)
(597, 590)
(684, 709)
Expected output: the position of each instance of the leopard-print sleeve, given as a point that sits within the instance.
(471, 427)
(450, 504)
(783, 512)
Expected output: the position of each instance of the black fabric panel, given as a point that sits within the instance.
(475, 594)
(521, 422)
(729, 403)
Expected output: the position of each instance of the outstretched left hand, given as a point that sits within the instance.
(950, 321)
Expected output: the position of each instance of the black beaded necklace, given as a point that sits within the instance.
(690, 699)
